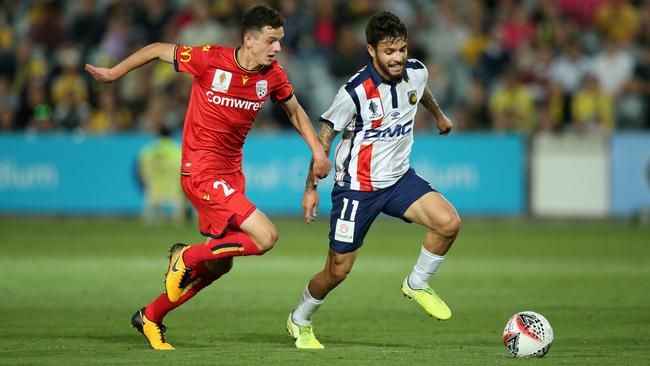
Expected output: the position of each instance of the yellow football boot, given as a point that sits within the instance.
(303, 334)
(178, 277)
(429, 301)
(154, 332)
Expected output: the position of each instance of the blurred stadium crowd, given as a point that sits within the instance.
(505, 65)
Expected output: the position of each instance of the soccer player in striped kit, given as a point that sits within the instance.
(375, 110)
(230, 87)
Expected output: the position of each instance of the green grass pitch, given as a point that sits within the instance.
(70, 286)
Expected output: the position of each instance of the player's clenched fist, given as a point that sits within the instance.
(444, 125)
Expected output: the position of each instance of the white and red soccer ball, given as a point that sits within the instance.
(528, 334)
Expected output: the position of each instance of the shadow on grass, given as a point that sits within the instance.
(284, 340)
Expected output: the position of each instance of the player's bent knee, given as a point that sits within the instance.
(338, 274)
(266, 241)
(450, 226)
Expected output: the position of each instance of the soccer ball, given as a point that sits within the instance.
(528, 334)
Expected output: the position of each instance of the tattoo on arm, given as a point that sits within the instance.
(429, 102)
(325, 137)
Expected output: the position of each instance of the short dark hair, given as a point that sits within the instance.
(385, 26)
(259, 17)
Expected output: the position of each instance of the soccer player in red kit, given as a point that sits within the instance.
(230, 87)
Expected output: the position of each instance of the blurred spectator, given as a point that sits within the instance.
(71, 113)
(553, 109)
(474, 114)
(583, 11)
(151, 17)
(511, 105)
(46, 24)
(440, 82)
(201, 29)
(87, 26)
(592, 108)
(30, 63)
(548, 22)
(8, 104)
(634, 107)
(36, 112)
(538, 69)
(348, 55)
(618, 20)
(324, 27)
(160, 114)
(569, 67)
(516, 29)
(70, 83)
(493, 60)
(134, 88)
(114, 43)
(447, 35)
(296, 28)
(402, 8)
(613, 66)
(565, 73)
(643, 38)
(642, 81)
(158, 164)
(528, 60)
(474, 45)
(109, 115)
(7, 60)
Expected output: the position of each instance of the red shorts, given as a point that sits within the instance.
(219, 201)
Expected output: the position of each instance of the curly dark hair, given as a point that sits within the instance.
(259, 17)
(385, 26)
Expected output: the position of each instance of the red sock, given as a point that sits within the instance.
(158, 308)
(235, 243)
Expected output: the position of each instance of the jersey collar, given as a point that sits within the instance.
(377, 78)
(234, 56)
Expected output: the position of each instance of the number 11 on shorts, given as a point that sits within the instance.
(353, 214)
(345, 228)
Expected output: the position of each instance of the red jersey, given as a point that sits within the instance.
(224, 102)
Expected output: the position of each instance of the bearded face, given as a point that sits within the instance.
(389, 57)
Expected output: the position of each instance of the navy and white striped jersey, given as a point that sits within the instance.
(378, 117)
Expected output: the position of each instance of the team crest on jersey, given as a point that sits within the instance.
(261, 88)
(221, 81)
(373, 110)
(413, 97)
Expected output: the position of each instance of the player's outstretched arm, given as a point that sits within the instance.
(443, 123)
(162, 51)
(299, 119)
(310, 198)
